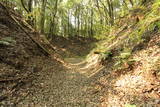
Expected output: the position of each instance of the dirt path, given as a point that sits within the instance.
(62, 87)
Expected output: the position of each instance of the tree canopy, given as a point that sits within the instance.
(74, 17)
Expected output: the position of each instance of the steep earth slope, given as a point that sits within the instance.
(132, 61)
(20, 59)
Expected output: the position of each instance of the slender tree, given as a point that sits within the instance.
(43, 8)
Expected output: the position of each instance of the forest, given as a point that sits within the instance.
(79, 53)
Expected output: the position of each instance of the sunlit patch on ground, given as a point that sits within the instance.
(138, 87)
(131, 89)
(88, 67)
(129, 83)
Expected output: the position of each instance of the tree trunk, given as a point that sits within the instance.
(78, 24)
(68, 23)
(52, 24)
(42, 22)
(132, 3)
(30, 5)
(100, 13)
(91, 22)
(110, 12)
(23, 5)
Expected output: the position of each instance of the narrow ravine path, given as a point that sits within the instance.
(87, 67)
(54, 63)
(63, 87)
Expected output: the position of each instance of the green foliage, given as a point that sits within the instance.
(105, 55)
(4, 43)
(130, 105)
(8, 41)
(156, 4)
(91, 18)
(75, 17)
(123, 57)
(150, 21)
(101, 32)
(157, 24)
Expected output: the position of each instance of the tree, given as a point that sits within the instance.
(43, 8)
(28, 9)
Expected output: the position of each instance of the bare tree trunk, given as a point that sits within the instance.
(23, 5)
(78, 24)
(145, 1)
(100, 13)
(125, 4)
(111, 11)
(132, 3)
(52, 24)
(42, 23)
(28, 10)
(92, 13)
(81, 23)
(86, 27)
(68, 23)
(30, 5)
